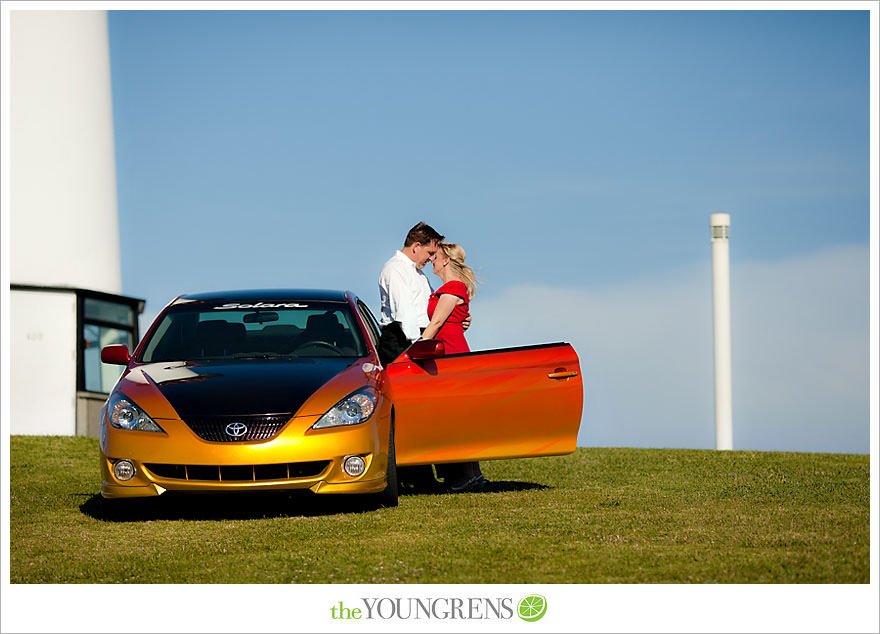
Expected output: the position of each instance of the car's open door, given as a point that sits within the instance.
(507, 403)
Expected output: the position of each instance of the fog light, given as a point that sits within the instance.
(354, 465)
(123, 470)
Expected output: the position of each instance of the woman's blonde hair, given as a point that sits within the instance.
(456, 256)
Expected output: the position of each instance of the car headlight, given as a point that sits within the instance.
(123, 414)
(353, 409)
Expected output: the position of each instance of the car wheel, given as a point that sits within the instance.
(388, 497)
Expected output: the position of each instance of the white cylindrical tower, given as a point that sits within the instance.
(65, 277)
(720, 225)
(63, 225)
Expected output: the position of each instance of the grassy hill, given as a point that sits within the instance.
(596, 516)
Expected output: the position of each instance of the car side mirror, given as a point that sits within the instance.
(427, 349)
(117, 354)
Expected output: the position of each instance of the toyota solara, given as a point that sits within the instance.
(283, 389)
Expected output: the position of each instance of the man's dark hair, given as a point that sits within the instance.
(423, 234)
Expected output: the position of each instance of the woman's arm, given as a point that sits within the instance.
(445, 306)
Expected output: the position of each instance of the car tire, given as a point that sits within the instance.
(388, 497)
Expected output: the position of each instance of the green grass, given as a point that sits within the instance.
(596, 516)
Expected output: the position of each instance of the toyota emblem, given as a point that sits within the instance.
(236, 430)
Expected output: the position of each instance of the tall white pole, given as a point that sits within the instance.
(720, 224)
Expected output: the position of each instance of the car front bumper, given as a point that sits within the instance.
(178, 460)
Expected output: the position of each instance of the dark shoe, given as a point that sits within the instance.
(471, 486)
(477, 483)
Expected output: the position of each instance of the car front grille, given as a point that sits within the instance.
(239, 473)
(218, 428)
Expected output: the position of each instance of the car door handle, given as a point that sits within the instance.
(562, 373)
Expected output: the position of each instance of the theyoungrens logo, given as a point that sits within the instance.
(441, 608)
(530, 608)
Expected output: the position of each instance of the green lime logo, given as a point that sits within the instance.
(532, 607)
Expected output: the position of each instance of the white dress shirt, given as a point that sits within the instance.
(404, 291)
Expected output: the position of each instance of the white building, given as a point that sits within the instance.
(65, 277)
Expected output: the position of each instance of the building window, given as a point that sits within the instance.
(108, 312)
(104, 322)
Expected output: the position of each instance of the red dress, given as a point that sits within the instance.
(451, 333)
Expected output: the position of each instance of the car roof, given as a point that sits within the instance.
(274, 294)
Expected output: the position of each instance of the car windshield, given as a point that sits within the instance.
(254, 330)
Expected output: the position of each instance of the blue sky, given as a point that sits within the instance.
(576, 155)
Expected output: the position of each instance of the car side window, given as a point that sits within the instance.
(370, 321)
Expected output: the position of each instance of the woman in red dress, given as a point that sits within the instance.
(448, 307)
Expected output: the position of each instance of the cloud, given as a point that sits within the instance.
(800, 352)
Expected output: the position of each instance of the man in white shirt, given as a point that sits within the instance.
(404, 291)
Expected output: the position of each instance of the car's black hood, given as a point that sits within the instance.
(249, 386)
